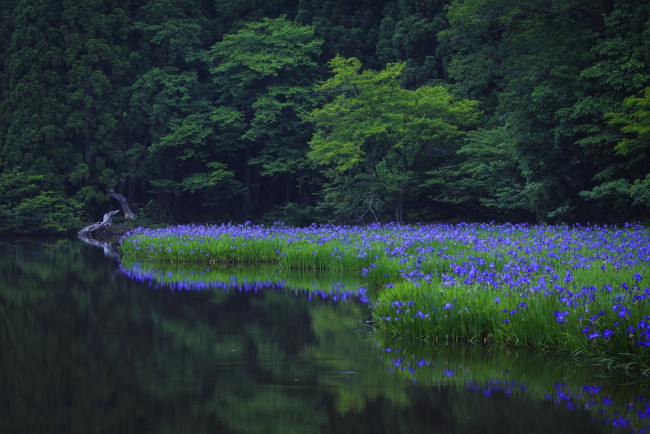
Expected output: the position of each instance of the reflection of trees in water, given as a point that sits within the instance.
(84, 350)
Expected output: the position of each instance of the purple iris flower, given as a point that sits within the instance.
(561, 316)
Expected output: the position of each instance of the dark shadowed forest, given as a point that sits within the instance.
(345, 111)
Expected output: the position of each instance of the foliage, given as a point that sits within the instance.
(484, 175)
(634, 188)
(264, 72)
(204, 109)
(381, 135)
(31, 206)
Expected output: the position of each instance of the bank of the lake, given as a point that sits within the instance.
(578, 289)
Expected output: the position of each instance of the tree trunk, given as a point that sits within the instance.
(128, 214)
(399, 208)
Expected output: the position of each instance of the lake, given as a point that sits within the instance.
(92, 345)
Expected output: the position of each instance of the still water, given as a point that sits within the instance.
(90, 345)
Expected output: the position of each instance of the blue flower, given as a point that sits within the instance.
(638, 277)
(448, 306)
(561, 316)
(568, 277)
(594, 335)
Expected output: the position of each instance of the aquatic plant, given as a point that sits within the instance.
(582, 289)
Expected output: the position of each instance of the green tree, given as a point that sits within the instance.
(265, 72)
(523, 61)
(95, 37)
(408, 33)
(180, 157)
(610, 114)
(632, 190)
(349, 28)
(378, 139)
(35, 147)
(62, 108)
(484, 180)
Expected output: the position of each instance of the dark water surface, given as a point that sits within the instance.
(88, 345)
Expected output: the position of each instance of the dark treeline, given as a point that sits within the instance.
(344, 111)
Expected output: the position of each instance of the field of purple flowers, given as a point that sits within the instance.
(582, 289)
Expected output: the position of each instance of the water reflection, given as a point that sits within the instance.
(85, 347)
(551, 379)
(196, 277)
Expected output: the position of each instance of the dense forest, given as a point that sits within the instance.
(346, 111)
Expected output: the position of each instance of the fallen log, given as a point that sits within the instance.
(106, 222)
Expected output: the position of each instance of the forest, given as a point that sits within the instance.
(311, 111)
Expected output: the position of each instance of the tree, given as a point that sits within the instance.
(264, 72)
(632, 189)
(484, 180)
(523, 60)
(182, 148)
(378, 139)
(613, 114)
(35, 147)
(408, 33)
(95, 39)
(349, 28)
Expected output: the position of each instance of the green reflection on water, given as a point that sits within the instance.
(202, 276)
(553, 379)
(84, 348)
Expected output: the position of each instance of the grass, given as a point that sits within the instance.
(581, 289)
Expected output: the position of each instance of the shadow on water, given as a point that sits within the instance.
(90, 345)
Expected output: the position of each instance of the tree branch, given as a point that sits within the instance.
(128, 214)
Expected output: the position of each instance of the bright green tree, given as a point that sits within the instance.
(378, 139)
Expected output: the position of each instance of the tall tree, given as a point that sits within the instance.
(610, 116)
(349, 28)
(36, 150)
(95, 37)
(408, 33)
(378, 139)
(523, 60)
(182, 146)
(265, 72)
